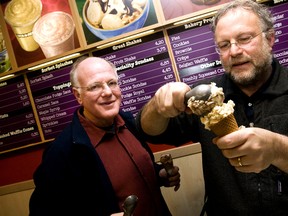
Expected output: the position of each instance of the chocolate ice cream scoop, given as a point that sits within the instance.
(203, 98)
(200, 92)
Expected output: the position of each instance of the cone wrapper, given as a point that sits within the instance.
(225, 126)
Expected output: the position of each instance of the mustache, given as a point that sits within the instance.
(239, 60)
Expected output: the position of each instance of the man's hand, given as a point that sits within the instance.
(172, 179)
(167, 102)
(254, 149)
(169, 99)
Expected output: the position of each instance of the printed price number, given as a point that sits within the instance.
(22, 91)
(161, 49)
(164, 63)
(28, 116)
(34, 134)
(168, 76)
(166, 70)
(31, 122)
(20, 85)
(23, 97)
(159, 42)
(26, 103)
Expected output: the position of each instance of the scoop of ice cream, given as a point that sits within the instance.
(94, 13)
(140, 3)
(201, 107)
(218, 113)
(111, 21)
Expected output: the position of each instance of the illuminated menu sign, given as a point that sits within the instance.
(17, 122)
(280, 49)
(143, 66)
(53, 97)
(194, 51)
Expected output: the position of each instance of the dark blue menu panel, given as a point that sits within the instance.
(53, 97)
(143, 65)
(18, 126)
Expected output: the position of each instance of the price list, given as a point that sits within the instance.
(143, 65)
(53, 97)
(194, 51)
(18, 127)
(280, 49)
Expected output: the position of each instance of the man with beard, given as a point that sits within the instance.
(245, 172)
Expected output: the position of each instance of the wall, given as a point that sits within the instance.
(20, 165)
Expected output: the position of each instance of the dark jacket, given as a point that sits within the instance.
(228, 191)
(71, 180)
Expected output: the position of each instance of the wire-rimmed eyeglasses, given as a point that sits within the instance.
(98, 87)
(224, 46)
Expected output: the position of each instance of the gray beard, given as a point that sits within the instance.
(256, 75)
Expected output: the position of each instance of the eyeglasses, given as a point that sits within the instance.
(98, 87)
(223, 47)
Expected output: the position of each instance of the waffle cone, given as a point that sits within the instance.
(225, 126)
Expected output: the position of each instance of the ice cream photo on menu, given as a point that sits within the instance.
(39, 29)
(108, 18)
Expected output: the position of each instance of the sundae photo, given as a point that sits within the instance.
(108, 18)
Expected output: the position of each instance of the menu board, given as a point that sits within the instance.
(53, 97)
(194, 51)
(194, 48)
(280, 49)
(18, 126)
(143, 65)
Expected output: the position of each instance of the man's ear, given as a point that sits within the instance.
(270, 36)
(77, 95)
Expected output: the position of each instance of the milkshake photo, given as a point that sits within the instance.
(21, 15)
(39, 29)
(54, 32)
